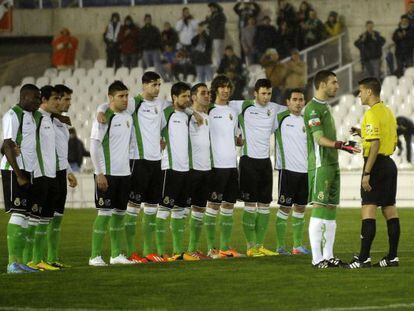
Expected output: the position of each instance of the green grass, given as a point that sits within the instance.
(279, 283)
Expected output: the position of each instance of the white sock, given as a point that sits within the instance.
(315, 239)
(329, 238)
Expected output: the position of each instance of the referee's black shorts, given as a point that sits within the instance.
(383, 181)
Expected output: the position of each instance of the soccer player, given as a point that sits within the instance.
(63, 174)
(45, 186)
(292, 163)
(175, 166)
(110, 145)
(224, 185)
(19, 130)
(200, 165)
(379, 177)
(257, 119)
(323, 170)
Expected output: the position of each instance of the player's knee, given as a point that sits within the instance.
(163, 213)
(389, 212)
(227, 205)
(299, 208)
(197, 209)
(105, 212)
(178, 213)
(213, 205)
(285, 209)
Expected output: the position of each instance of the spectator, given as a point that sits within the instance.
(287, 38)
(296, 72)
(128, 43)
(76, 151)
(404, 43)
(169, 36)
(230, 62)
(216, 24)
(169, 57)
(151, 44)
(313, 30)
(333, 26)
(238, 85)
(405, 127)
(302, 17)
(265, 37)
(64, 50)
(370, 45)
(201, 55)
(247, 37)
(186, 28)
(183, 65)
(111, 40)
(286, 13)
(245, 10)
(410, 12)
(275, 72)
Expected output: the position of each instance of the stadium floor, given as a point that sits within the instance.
(278, 283)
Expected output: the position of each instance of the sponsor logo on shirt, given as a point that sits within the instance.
(314, 122)
(231, 117)
(269, 112)
(127, 123)
(156, 110)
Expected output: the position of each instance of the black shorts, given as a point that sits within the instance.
(383, 181)
(293, 188)
(62, 191)
(224, 185)
(199, 187)
(45, 191)
(175, 190)
(17, 199)
(146, 181)
(256, 180)
(116, 196)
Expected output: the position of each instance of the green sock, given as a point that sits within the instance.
(130, 223)
(53, 238)
(116, 227)
(30, 235)
(281, 224)
(161, 230)
(262, 223)
(40, 241)
(226, 226)
(196, 224)
(16, 236)
(210, 218)
(148, 228)
(177, 230)
(249, 225)
(100, 227)
(298, 222)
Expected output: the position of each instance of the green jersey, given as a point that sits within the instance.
(318, 117)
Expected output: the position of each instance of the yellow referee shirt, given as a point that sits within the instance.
(379, 123)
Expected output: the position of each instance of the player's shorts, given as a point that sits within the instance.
(176, 190)
(199, 187)
(17, 199)
(146, 181)
(62, 191)
(324, 185)
(116, 196)
(45, 191)
(256, 180)
(224, 185)
(383, 181)
(293, 188)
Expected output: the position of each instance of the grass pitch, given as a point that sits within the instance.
(278, 283)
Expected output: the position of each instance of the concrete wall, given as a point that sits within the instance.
(88, 24)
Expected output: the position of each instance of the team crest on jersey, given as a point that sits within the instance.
(166, 200)
(127, 123)
(230, 117)
(321, 195)
(107, 202)
(35, 208)
(282, 199)
(17, 202)
(101, 202)
(156, 110)
(269, 112)
(214, 196)
(303, 129)
(289, 201)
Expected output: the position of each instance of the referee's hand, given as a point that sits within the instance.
(355, 130)
(365, 183)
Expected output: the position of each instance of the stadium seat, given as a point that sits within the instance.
(79, 73)
(57, 80)
(42, 81)
(93, 72)
(401, 90)
(406, 80)
(403, 110)
(190, 79)
(6, 89)
(130, 82)
(391, 81)
(100, 64)
(72, 82)
(409, 72)
(64, 74)
(109, 74)
(121, 74)
(28, 80)
(50, 72)
(137, 73)
(85, 83)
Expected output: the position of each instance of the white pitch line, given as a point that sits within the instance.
(391, 306)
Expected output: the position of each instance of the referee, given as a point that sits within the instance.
(379, 178)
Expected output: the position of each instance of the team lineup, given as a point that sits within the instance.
(178, 160)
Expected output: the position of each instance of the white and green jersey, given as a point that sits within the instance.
(175, 156)
(200, 154)
(223, 130)
(62, 144)
(291, 143)
(20, 126)
(258, 124)
(45, 146)
(114, 137)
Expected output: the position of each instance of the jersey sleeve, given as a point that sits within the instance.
(103, 107)
(10, 126)
(278, 109)
(313, 120)
(372, 126)
(236, 105)
(163, 121)
(98, 130)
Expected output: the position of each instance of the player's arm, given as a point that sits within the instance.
(326, 142)
(98, 132)
(236, 105)
(104, 107)
(372, 157)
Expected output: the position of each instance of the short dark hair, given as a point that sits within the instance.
(62, 89)
(262, 83)
(322, 76)
(147, 15)
(149, 77)
(404, 16)
(219, 81)
(28, 88)
(289, 92)
(371, 83)
(179, 88)
(116, 86)
(229, 47)
(195, 87)
(46, 91)
(369, 22)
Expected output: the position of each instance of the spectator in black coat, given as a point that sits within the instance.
(169, 36)
(313, 30)
(151, 44)
(230, 62)
(76, 151)
(265, 37)
(404, 43)
(370, 45)
(286, 13)
(245, 10)
(201, 55)
(287, 38)
(113, 54)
